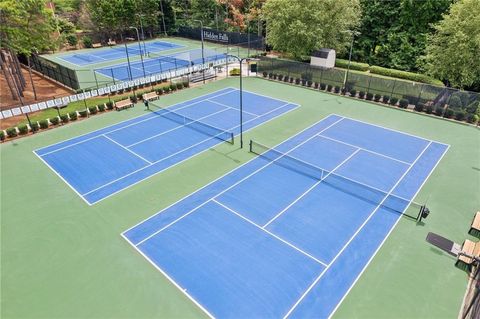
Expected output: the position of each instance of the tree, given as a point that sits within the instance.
(300, 26)
(452, 52)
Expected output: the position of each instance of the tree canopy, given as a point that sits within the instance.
(300, 26)
(452, 52)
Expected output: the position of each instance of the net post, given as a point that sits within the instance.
(250, 146)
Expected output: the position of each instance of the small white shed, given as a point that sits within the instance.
(324, 58)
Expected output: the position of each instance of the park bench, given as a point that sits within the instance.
(96, 45)
(471, 248)
(197, 77)
(111, 42)
(150, 96)
(123, 104)
(475, 226)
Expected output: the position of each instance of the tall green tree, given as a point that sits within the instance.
(453, 51)
(300, 26)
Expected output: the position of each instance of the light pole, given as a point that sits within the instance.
(203, 56)
(140, 16)
(240, 60)
(140, 47)
(353, 33)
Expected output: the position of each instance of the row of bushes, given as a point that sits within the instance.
(133, 88)
(364, 67)
(160, 91)
(469, 114)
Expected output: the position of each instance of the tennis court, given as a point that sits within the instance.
(104, 162)
(159, 64)
(288, 233)
(117, 52)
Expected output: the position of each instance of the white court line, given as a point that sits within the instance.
(177, 163)
(387, 235)
(183, 290)
(149, 116)
(354, 235)
(178, 127)
(310, 189)
(231, 186)
(180, 151)
(364, 149)
(233, 108)
(270, 233)
(130, 151)
(393, 130)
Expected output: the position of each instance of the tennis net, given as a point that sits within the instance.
(131, 50)
(357, 189)
(83, 57)
(201, 127)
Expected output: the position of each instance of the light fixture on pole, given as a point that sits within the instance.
(353, 33)
(140, 48)
(203, 55)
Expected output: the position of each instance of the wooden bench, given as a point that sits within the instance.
(475, 226)
(111, 42)
(197, 77)
(150, 96)
(123, 104)
(96, 45)
(471, 248)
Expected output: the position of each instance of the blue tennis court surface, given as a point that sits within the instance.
(288, 233)
(104, 162)
(159, 64)
(116, 52)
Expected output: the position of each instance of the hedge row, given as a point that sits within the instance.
(471, 113)
(353, 65)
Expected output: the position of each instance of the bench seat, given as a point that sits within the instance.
(475, 226)
(123, 104)
(150, 96)
(471, 248)
(96, 45)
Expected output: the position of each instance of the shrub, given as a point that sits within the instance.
(43, 124)
(449, 113)
(455, 102)
(264, 74)
(101, 107)
(73, 116)
(393, 100)
(34, 127)
(235, 72)
(140, 96)
(11, 132)
(109, 105)
(429, 108)
(419, 107)
(55, 120)
(404, 75)
(304, 82)
(133, 98)
(159, 91)
(297, 81)
(286, 78)
(280, 77)
(2, 136)
(353, 92)
(472, 118)
(93, 109)
(323, 86)
(64, 118)
(361, 94)
(22, 129)
(329, 87)
(83, 113)
(369, 96)
(87, 41)
(385, 99)
(472, 108)
(309, 83)
(403, 103)
(166, 89)
(438, 110)
(172, 87)
(179, 86)
(270, 75)
(460, 115)
(337, 89)
(274, 76)
(186, 84)
(377, 97)
(72, 39)
(340, 63)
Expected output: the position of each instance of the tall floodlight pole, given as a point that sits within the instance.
(140, 17)
(353, 33)
(140, 47)
(163, 18)
(203, 54)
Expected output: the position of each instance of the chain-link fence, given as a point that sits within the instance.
(441, 101)
(471, 306)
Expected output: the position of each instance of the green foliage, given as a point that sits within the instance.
(64, 118)
(403, 103)
(83, 113)
(300, 26)
(341, 63)
(448, 113)
(109, 105)
(179, 86)
(473, 108)
(337, 89)
(353, 92)
(87, 41)
(460, 115)
(385, 99)
(377, 97)
(72, 39)
(369, 96)
(101, 107)
(34, 127)
(455, 102)
(2, 136)
(419, 107)
(404, 75)
(22, 129)
(472, 118)
(43, 124)
(452, 51)
(73, 116)
(133, 98)
(393, 100)
(235, 72)
(361, 94)
(11, 132)
(54, 120)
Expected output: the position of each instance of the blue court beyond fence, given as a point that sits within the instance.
(104, 162)
(116, 52)
(288, 233)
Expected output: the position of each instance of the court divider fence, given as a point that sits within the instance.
(441, 101)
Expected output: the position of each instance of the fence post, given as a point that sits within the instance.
(95, 76)
(393, 87)
(369, 81)
(420, 94)
(113, 77)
